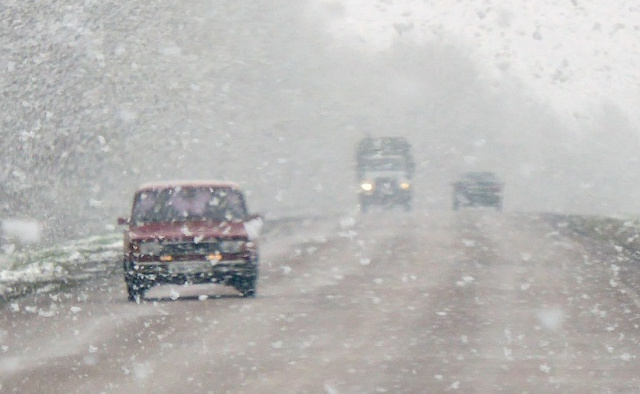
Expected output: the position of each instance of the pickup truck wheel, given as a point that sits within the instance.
(246, 287)
(135, 290)
(134, 295)
(249, 293)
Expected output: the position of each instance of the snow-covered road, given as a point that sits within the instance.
(473, 301)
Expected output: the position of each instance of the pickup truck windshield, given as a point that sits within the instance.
(182, 204)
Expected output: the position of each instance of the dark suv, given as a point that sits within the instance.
(385, 182)
(190, 233)
(384, 167)
(478, 189)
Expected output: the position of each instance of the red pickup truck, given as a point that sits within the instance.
(190, 232)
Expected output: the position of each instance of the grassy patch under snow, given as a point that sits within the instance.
(33, 269)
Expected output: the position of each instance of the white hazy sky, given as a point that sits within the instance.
(574, 54)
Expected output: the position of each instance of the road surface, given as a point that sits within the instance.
(390, 302)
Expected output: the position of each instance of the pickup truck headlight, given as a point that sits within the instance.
(405, 185)
(232, 246)
(149, 248)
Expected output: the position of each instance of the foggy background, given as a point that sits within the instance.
(100, 96)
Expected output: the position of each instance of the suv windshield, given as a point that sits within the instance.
(188, 204)
(384, 164)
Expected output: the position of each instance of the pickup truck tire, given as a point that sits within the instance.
(135, 291)
(246, 287)
(135, 288)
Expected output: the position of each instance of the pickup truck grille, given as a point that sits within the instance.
(187, 248)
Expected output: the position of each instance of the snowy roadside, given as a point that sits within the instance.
(616, 240)
(33, 269)
(623, 232)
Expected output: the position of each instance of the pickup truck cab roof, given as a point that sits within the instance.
(188, 183)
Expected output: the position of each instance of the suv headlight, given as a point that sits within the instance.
(405, 185)
(149, 248)
(231, 246)
(367, 186)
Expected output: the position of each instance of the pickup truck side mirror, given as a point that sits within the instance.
(253, 225)
(124, 221)
(254, 216)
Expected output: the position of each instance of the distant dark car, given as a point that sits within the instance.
(190, 233)
(478, 189)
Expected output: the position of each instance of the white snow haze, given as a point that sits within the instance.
(100, 97)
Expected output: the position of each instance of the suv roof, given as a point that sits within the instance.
(479, 175)
(384, 146)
